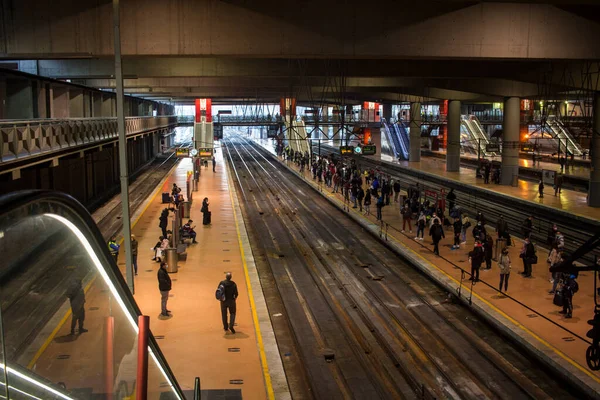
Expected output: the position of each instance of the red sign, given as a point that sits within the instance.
(203, 109)
(431, 193)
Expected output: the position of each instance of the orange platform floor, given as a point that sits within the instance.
(571, 201)
(536, 317)
(192, 339)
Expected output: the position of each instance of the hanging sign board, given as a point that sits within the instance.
(217, 131)
(369, 150)
(182, 152)
(527, 147)
(346, 150)
(431, 193)
(206, 152)
(492, 148)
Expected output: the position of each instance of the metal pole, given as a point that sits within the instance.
(122, 149)
(479, 151)
(141, 390)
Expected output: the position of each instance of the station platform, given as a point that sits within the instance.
(570, 201)
(579, 169)
(526, 311)
(246, 364)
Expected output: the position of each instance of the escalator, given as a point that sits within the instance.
(476, 135)
(402, 133)
(557, 129)
(391, 139)
(55, 262)
(295, 135)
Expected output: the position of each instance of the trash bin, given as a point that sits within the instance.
(187, 207)
(172, 259)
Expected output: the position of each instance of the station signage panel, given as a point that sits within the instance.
(369, 150)
(272, 131)
(527, 147)
(492, 148)
(206, 152)
(217, 131)
(346, 150)
(182, 152)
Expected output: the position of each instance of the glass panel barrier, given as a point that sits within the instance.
(69, 322)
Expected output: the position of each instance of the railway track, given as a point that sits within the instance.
(366, 324)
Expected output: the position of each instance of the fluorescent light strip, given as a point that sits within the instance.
(35, 382)
(109, 283)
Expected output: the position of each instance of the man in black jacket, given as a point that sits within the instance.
(164, 285)
(231, 294)
(437, 233)
(76, 297)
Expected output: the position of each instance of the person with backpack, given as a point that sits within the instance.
(504, 265)
(479, 232)
(113, 247)
(568, 290)
(227, 294)
(421, 222)
(379, 206)
(476, 258)
(437, 233)
(457, 225)
(206, 214)
(164, 286)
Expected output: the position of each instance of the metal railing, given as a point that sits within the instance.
(20, 139)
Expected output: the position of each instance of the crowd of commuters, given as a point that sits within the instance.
(362, 187)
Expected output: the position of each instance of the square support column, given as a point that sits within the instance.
(594, 187)
(510, 141)
(453, 140)
(415, 132)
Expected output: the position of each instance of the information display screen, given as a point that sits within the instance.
(182, 152)
(346, 150)
(207, 152)
(272, 131)
(369, 150)
(492, 148)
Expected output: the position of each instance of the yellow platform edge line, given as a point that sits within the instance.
(261, 347)
(486, 302)
(89, 285)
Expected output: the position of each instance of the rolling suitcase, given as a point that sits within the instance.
(166, 198)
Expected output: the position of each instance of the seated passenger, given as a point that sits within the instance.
(188, 229)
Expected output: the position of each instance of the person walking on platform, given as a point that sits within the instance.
(164, 286)
(541, 188)
(451, 197)
(569, 289)
(206, 214)
(214, 163)
(476, 258)
(227, 292)
(486, 172)
(437, 233)
(529, 257)
(558, 182)
(368, 202)
(113, 247)
(457, 225)
(76, 297)
(421, 222)
(134, 253)
(504, 265)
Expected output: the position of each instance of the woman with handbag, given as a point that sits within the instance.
(206, 215)
(554, 258)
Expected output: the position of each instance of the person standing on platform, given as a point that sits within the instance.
(396, 191)
(504, 265)
(206, 214)
(488, 248)
(569, 289)
(466, 224)
(367, 201)
(501, 227)
(228, 302)
(113, 247)
(541, 188)
(451, 197)
(360, 196)
(76, 297)
(551, 235)
(476, 258)
(437, 233)
(527, 227)
(554, 258)
(163, 221)
(164, 286)
(421, 222)
(561, 161)
(457, 225)
(214, 162)
(379, 206)
(558, 182)
(406, 217)
(486, 172)
(134, 253)
(528, 255)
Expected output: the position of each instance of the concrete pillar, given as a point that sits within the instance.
(594, 189)
(453, 140)
(415, 132)
(510, 140)
(76, 103)
(87, 104)
(387, 112)
(107, 107)
(2, 97)
(97, 105)
(19, 99)
(59, 102)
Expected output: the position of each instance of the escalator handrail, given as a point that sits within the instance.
(18, 200)
(401, 141)
(390, 141)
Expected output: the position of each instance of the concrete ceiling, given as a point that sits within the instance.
(317, 51)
